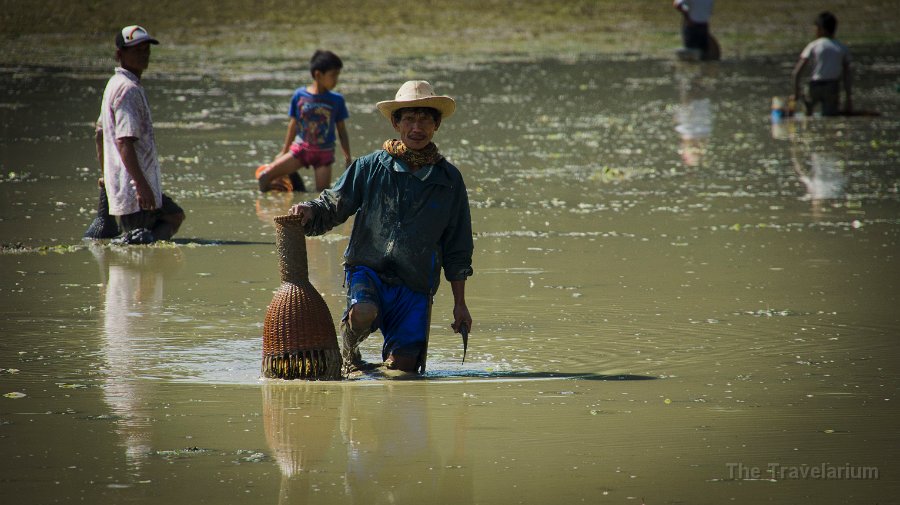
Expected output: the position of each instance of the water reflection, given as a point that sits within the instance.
(694, 114)
(311, 432)
(132, 282)
(300, 430)
(814, 160)
(822, 176)
(272, 205)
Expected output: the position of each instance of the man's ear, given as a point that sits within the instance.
(437, 124)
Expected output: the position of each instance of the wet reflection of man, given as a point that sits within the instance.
(393, 452)
(694, 115)
(132, 290)
(301, 426)
(395, 434)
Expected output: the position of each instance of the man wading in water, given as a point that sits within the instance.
(126, 147)
(412, 219)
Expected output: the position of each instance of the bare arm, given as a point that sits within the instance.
(460, 310)
(683, 9)
(125, 146)
(345, 141)
(795, 77)
(848, 86)
(98, 141)
(289, 138)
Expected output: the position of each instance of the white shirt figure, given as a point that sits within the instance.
(125, 112)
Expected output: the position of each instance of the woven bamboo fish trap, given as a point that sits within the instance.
(299, 339)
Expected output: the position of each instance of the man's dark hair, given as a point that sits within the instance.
(827, 22)
(323, 61)
(434, 113)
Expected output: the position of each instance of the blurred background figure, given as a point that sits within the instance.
(830, 61)
(699, 44)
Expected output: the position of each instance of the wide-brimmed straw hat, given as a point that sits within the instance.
(417, 94)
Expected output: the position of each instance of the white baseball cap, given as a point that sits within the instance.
(133, 35)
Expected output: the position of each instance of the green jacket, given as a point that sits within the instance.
(408, 225)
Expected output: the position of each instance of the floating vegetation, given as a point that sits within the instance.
(13, 177)
(607, 174)
(63, 385)
(182, 453)
(19, 248)
(767, 313)
(251, 456)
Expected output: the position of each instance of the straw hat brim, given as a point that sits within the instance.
(444, 104)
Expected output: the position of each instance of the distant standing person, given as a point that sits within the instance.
(830, 67)
(695, 27)
(316, 111)
(126, 146)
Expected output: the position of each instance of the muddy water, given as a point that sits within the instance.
(672, 297)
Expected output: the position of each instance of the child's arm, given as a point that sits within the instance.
(289, 138)
(795, 78)
(345, 141)
(848, 85)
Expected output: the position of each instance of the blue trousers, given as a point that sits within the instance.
(402, 312)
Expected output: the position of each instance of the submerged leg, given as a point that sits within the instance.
(104, 225)
(282, 166)
(354, 330)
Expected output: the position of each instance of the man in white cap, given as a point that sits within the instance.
(126, 147)
(412, 220)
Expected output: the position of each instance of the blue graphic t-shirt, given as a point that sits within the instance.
(317, 116)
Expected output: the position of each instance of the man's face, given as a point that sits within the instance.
(136, 57)
(416, 128)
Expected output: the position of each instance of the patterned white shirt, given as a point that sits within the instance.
(125, 112)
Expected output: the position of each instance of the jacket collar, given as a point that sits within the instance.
(438, 173)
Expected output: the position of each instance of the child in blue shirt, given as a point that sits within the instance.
(316, 112)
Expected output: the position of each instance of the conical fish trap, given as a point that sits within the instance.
(299, 339)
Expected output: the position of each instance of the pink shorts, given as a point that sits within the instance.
(310, 156)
